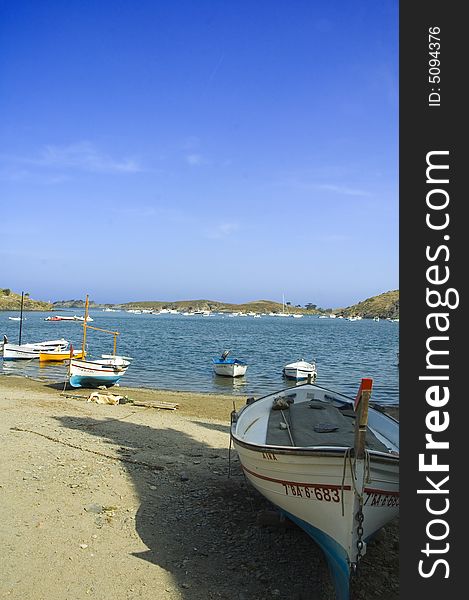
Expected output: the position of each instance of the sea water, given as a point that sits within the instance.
(174, 352)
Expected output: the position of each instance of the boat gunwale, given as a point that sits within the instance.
(322, 451)
(308, 450)
(346, 400)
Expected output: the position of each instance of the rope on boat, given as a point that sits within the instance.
(288, 429)
(348, 457)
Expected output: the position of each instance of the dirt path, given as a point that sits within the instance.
(125, 502)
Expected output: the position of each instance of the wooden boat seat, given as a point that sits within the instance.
(317, 423)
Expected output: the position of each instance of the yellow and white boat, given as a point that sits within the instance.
(59, 355)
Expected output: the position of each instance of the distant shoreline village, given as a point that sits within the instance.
(382, 306)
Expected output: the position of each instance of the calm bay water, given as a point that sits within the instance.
(174, 352)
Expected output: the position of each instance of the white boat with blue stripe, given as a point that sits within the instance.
(107, 371)
(329, 463)
(229, 367)
(92, 373)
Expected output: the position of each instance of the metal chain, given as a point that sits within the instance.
(360, 518)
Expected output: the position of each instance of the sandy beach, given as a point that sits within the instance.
(125, 502)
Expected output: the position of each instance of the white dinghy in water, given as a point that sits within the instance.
(229, 367)
(300, 370)
(329, 463)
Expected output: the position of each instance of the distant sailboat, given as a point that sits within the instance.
(284, 313)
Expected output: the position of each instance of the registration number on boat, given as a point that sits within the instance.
(323, 494)
(378, 499)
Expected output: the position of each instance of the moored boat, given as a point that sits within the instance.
(328, 463)
(229, 367)
(59, 355)
(93, 373)
(300, 370)
(29, 351)
(106, 371)
(68, 318)
(21, 351)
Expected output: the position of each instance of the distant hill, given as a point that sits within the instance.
(258, 306)
(11, 301)
(77, 304)
(384, 306)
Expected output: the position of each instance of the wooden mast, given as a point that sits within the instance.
(21, 318)
(361, 420)
(84, 326)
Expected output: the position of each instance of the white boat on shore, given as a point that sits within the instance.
(301, 370)
(92, 373)
(328, 463)
(106, 371)
(229, 367)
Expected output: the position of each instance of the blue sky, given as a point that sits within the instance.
(214, 149)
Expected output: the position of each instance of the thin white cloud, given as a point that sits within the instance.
(195, 160)
(81, 156)
(336, 188)
(85, 156)
(342, 189)
(222, 230)
(19, 175)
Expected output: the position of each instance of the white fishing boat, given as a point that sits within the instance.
(229, 367)
(329, 463)
(28, 351)
(106, 371)
(300, 370)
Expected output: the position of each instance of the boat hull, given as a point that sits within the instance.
(30, 351)
(58, 356)
(19, 352)
(83, 373)
(316, 486)
(300, 371)
(230, 369)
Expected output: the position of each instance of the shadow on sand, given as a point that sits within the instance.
(201, 525)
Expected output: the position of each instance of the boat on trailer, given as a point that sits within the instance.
(328, 462)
